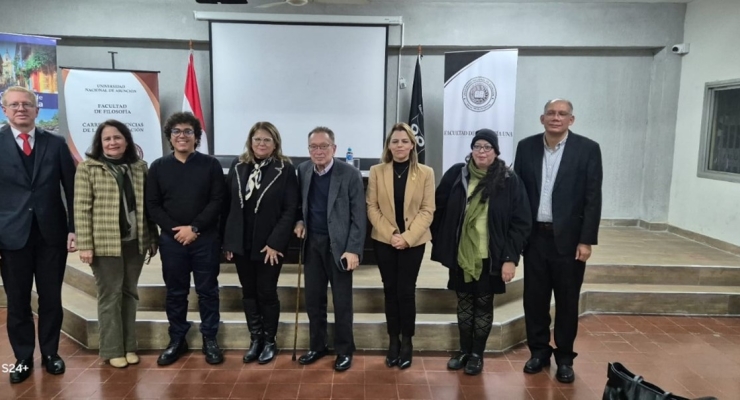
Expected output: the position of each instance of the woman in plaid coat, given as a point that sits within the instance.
(114, 234)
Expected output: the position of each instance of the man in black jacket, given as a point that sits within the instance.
(562, 174)
(184, 196)
(36, 231)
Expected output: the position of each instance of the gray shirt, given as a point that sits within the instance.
(550, 166)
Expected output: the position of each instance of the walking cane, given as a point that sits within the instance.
(297, 299)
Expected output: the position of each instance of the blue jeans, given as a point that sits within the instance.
(202, 258)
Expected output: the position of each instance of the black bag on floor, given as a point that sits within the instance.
(624, 385)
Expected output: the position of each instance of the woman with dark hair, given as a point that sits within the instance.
(400, 206)
(480, 226)
(114, 234)
(259, 212)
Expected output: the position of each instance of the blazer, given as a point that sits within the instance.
(576, 196)
(97, 203)
(346, 213)
(275, 211)
(418, 204)
(40, 195)
(509, 221)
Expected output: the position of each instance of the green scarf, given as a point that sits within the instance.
(468, 252)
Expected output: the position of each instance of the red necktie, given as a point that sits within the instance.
(26, 143)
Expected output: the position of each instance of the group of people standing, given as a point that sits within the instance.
(479, 220)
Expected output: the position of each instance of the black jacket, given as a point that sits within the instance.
(509, 220)
(276, 205)
(576, 195)
(22, 197)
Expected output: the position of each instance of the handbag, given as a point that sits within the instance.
(624, 385)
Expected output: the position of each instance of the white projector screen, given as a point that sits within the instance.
(299, 77)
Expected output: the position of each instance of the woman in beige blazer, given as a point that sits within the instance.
(400, 206)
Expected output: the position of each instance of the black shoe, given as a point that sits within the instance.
(565, 374)
(21, 371)
(213, 353)
(255, 348)
(54, 364)
(173, 352)
(458, 361)
(406, 355)
(269, 352)
(391, 359)
(535, 365)
(474, 366)
(312, 356)
(343, 363)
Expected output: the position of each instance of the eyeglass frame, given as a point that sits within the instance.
(322, 147)
(485, 148)
(17, 106)
(184, 132)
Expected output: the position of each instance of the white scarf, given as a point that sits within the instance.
(255, 178)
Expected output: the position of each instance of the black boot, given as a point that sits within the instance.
(254, 323)
(394, 348)
(474, 366)
(407, 349)
(270, 319)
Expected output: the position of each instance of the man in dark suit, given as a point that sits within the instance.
(333, 221)
(36, 230)
(562, 174)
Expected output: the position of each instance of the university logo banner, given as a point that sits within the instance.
(132, 97)
(479, 92)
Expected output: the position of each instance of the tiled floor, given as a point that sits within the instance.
(688, 356)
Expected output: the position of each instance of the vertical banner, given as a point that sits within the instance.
(191, 103)
(416, 112)
(31, 62)
(479, 92)
(131, 97)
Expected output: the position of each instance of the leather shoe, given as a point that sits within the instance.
(474, 365)
(535, 365)
(213, 353)
(565, 374)
(458, 361)
(21, 371)
(268, 352)
(343, 363)
(312, 356)
(54, 364)
(172, 353)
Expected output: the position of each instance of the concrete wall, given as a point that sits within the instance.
(706, 206)
(609, 58)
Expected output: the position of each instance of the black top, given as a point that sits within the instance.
(318, 203)
(189, 193)
(249, 206)
(400, 176)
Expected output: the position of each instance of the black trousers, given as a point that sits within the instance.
(399, 270)
(46, 263)
(259, 295)
(321, 269)
(202, 259)
(546, 271)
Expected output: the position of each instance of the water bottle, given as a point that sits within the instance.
(350, 157)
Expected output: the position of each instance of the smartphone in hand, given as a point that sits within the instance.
(345, 264)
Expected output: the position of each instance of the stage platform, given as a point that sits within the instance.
(632, 270)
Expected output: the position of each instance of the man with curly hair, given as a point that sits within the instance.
(184, 195)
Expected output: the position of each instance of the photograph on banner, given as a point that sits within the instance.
(479, 92)
(31, 62)
(131, 97)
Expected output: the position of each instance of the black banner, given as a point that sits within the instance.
(416, 112)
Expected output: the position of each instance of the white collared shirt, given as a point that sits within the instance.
(326, 170)
(550, 167)
(31, 138)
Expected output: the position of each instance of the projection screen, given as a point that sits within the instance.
(299, 77)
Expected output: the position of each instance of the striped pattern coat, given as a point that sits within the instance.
(98, 200)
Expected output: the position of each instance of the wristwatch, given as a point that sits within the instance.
(194, 229)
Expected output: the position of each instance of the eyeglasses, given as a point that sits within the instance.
(17, 106)
(553, 113)
(261, 140)
(322, 147)
(484, 148)
(186, 132)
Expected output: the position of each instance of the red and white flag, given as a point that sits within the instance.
(191, 103)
